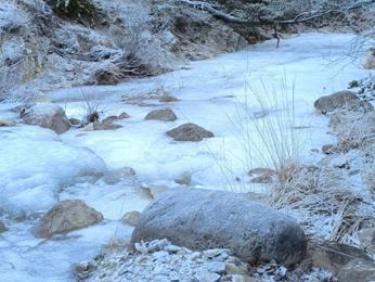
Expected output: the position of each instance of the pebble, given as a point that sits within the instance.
(208, 277)
(172, 249)
(216, 266)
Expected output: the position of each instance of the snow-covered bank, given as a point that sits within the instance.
(211, 94)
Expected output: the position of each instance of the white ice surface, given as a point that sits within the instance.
(37, 166)
(212, 95)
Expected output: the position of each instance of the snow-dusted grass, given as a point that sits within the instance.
(274, 126)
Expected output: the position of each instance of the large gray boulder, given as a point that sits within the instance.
(46, 115)
(203, 219)
(341, 100)
(67, 216)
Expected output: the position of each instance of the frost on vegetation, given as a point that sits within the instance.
(12, 19)
(129, 39)
(35, 166)
(11, 16)
(333, 197)
(276, 9)
(367, 88)
(75, 9)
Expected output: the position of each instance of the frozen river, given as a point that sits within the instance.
(234, 95)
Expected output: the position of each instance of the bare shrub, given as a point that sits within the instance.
(143, 51)
(8, 79)
(22, 52)
(17, 74)
(92, 107)
(354, 130)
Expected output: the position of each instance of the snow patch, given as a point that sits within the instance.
(35, 164)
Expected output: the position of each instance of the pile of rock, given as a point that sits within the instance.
(160, 260)
(163, 261)
(93, 122)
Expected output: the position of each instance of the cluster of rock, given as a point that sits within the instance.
(160, 260)
(52, 116)
(185, 132)
(108, 123)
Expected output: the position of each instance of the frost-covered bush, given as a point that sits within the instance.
(312, 11)
(21, 61)
(74, 9)
(145, 41)
(267, 9)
